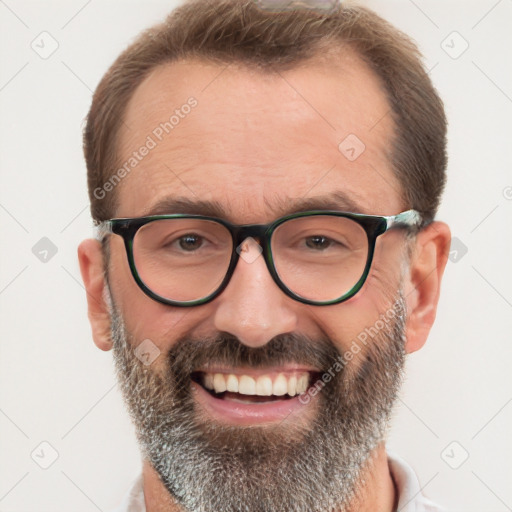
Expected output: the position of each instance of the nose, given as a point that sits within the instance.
(252, 307)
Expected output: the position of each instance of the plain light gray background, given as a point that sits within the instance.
(57, 387)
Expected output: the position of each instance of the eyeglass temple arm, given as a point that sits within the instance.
(102, 229)
(410, 218)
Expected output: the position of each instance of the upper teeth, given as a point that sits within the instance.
(263, 385)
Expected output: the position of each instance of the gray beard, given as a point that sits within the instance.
(291, 467)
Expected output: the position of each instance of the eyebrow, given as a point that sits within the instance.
(336, 200)
(280, 206)
(174, 204)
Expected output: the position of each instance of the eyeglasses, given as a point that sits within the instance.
(315, 257)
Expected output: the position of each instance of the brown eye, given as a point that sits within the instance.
(190, 242)
(318, 242)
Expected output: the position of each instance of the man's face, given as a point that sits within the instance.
(260, 145)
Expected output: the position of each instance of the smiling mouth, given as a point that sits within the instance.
(255, 388)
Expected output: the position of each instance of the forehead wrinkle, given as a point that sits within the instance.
(205, 161)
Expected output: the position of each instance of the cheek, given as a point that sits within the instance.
(348, 324)
(145, 319)
(128, 297)
(344, 323)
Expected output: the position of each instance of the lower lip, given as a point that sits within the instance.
(227, 411)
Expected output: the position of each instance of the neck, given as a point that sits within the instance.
(156, 496)
(377, 495)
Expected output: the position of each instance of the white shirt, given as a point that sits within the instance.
(410, 499)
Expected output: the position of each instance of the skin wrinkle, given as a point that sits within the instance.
(190, 159)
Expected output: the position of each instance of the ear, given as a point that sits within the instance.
(423, 285)
(90, 258)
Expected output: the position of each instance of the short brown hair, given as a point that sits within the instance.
(240, 31)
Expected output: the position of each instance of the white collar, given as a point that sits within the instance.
(410, 495)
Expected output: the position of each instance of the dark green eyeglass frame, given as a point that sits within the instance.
(373, 225)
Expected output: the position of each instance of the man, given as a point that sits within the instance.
(264, 179)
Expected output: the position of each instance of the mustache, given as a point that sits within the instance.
(189, 354)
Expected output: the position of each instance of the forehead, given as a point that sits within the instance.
(254, 141)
